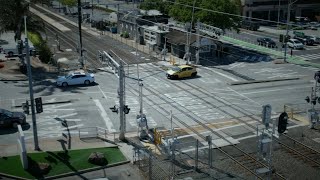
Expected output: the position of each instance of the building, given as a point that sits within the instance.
(275, 10)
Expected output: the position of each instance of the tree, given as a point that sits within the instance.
(69, 3)
(159, 5)
(11, 16)
(181, 10)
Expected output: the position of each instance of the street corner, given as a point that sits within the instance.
(10, 70)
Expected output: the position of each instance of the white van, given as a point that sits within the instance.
(9, 47)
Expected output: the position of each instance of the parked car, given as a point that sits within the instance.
(295, 44)
(182, 71)
(267, 42)
(75, 78)
(11, 119)
(316, 39)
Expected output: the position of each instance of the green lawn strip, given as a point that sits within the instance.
(60, 162)
(293, 59)
(253, 46)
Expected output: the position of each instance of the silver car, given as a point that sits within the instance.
(295, 44)
(75, 78)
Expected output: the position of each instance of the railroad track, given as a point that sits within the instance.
(94, 43)
(248, 169)
(301, 151)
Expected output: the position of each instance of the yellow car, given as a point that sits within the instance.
(182, 71)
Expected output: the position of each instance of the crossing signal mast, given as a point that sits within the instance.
(313, 115)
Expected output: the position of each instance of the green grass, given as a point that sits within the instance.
(35, 38)
(60, 161)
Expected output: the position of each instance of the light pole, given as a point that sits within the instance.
(34, 122)
(287, 29)
(279, 12)
(80, 33)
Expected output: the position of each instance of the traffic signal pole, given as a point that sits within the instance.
(34, 123)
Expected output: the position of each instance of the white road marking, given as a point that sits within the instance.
(271, 90)
(67, 115)
(221, 74)
(239, 64)
(105, 116)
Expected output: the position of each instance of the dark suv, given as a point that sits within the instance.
(267, 42)
(306, 40)
(11, 119)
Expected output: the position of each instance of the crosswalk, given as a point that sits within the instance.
(257, 58)
(310, 56)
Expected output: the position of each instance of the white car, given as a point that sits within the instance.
(75, 78)
(315, 38)
(295, 44)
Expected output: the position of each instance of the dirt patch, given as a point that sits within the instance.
(11, 69)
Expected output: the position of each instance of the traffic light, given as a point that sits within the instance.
(100, 57)
(25, 107)
(282, 123)
(317, 76)
(126, 109)
(307, 99)
(20, 46)
(39, 108)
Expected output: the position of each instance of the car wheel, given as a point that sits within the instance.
(175, 77)
(86, 82)
(64, 84)
(15, 125)
(10, 54)
(193, 74)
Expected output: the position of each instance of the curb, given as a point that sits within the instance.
(69, 174)
(48, 103)
(262, 81)
(26, 79)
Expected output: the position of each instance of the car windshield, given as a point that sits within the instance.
(268, 39)
(5, 112)
(69, 76)
(176, 69)
(297, 42)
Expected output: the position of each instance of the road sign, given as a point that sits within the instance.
(266, 115)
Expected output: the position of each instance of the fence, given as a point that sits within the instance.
(93, 132)
(179, 160)
(297, 111)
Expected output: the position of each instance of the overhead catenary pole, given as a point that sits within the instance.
(80, 33)
(34, 122)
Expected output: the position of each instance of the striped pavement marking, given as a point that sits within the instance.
(310, 56)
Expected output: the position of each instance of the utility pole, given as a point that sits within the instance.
(287, 28)
(34, 123)
(80, 33)
(279, 12)
(198, 43)
(91, 11)
(121, 103)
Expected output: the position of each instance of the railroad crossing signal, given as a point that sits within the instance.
(126, 109)
(39, 107)
(25, 107)
(282, 123)
(266, 115)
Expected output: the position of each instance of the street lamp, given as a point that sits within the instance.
(287, 28)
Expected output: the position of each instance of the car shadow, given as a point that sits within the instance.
(78, 86)
(187, 78)
(12, 130)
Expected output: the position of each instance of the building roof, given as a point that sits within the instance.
(179, 37)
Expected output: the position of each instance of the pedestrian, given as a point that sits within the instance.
(291, 52)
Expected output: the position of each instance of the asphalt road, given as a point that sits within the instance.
(207, 99)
